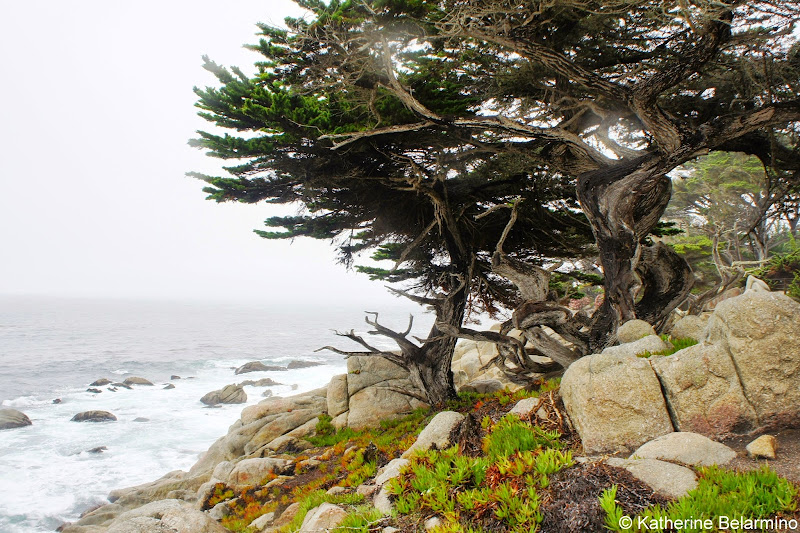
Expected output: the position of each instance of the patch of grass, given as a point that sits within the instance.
(359, 469)
(359, 520)
(677, 345)
(246, 508)
(497, 491)
(220, 494)
(317, 498)
(755, 494)
(392, 436)
(512, 435)
(327, 435)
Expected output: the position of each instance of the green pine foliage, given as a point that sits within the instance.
(782, 272)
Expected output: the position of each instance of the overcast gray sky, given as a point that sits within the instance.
(97, 107)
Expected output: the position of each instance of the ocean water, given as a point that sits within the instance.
(54, 348)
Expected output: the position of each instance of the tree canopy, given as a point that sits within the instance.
(416, 127)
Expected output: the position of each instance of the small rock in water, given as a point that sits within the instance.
(99, 449)
(302, 364)
(267, 393)
(11, 418)
(141, 419)
(122, 385)
(264, 382)
(257, 366)
(57, 400)
(94, 416)
(169, 386)
(228, 394)
(112, 389)
(100, 382)
(295, 386)
(94, 391)
(174, 377)
(133, 380)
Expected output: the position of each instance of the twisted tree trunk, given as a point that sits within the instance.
(623, 204)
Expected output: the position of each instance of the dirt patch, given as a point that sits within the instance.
(787, 461)
(571, 503)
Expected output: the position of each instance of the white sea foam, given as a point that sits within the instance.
(56, 478)
(53, 350)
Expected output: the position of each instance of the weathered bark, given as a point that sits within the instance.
(429, 365)
(532, 281)
(623, 204)
(666, 282)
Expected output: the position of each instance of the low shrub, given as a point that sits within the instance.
(497, 490)
(676, 346)
(756, 494)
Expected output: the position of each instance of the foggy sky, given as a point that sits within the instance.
(97, 108)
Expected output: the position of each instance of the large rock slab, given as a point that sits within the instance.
(687, 448)
(154, 509)
(139, 524)
(315, 399)
(338, 396)
(101, 515)
(251, 472)
(372, 404)
(187, 520)
(11, 418)
(436, 433)
(703, 391)
(667, 479)
(159, 489)
(322, 518)
(760, 331)
(469, 357)
(282, 425)
(75, 528)
(614, 402)
(366, 371)
(166, 516)
(254, 419)
(651, 343)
